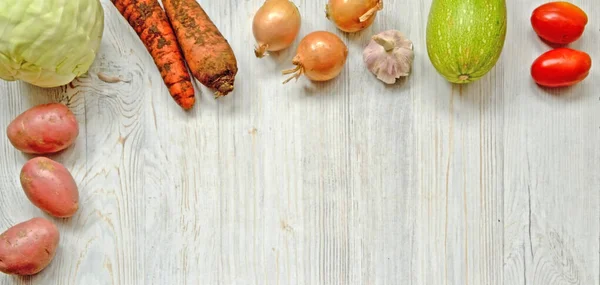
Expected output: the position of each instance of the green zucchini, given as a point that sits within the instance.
(465, 37)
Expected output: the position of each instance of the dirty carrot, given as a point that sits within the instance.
(152, 26)
(207, 52)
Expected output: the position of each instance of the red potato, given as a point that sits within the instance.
(50, 187)
(43, 129)
(28, 247)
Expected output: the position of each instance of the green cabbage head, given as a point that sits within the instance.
(48, 43)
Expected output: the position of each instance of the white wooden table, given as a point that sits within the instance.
(345, 182)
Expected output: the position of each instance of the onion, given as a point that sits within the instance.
(275, 26)
(320, 56)
(353, 15)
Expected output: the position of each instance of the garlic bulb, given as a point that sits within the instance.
(389, 55)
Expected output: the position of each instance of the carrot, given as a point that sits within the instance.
(151, 24)
(207, 52)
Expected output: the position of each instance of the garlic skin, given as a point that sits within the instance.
(389, 55)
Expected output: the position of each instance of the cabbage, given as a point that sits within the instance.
(48, 43)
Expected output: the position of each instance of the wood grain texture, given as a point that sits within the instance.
(343, 182)
(551, 198)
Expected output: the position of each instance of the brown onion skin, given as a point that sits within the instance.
(346, 13)
(276, 24)
(322, 55)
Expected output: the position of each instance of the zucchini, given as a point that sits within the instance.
(465, 37)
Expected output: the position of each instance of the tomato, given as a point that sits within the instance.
(559, 22)
(561, 67)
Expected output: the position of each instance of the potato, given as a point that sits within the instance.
(43, 129)
(50, 187)
(28, 247)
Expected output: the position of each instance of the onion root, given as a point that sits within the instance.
(275, 26)
(297, 71)
(261, 50)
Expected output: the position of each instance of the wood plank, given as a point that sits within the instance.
(552, 204)
(289, 205)
(99, 244)
(343, 182)
(460, 163)
(382, 161)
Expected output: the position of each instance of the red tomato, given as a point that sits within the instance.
(561, 67)
(559, 22)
